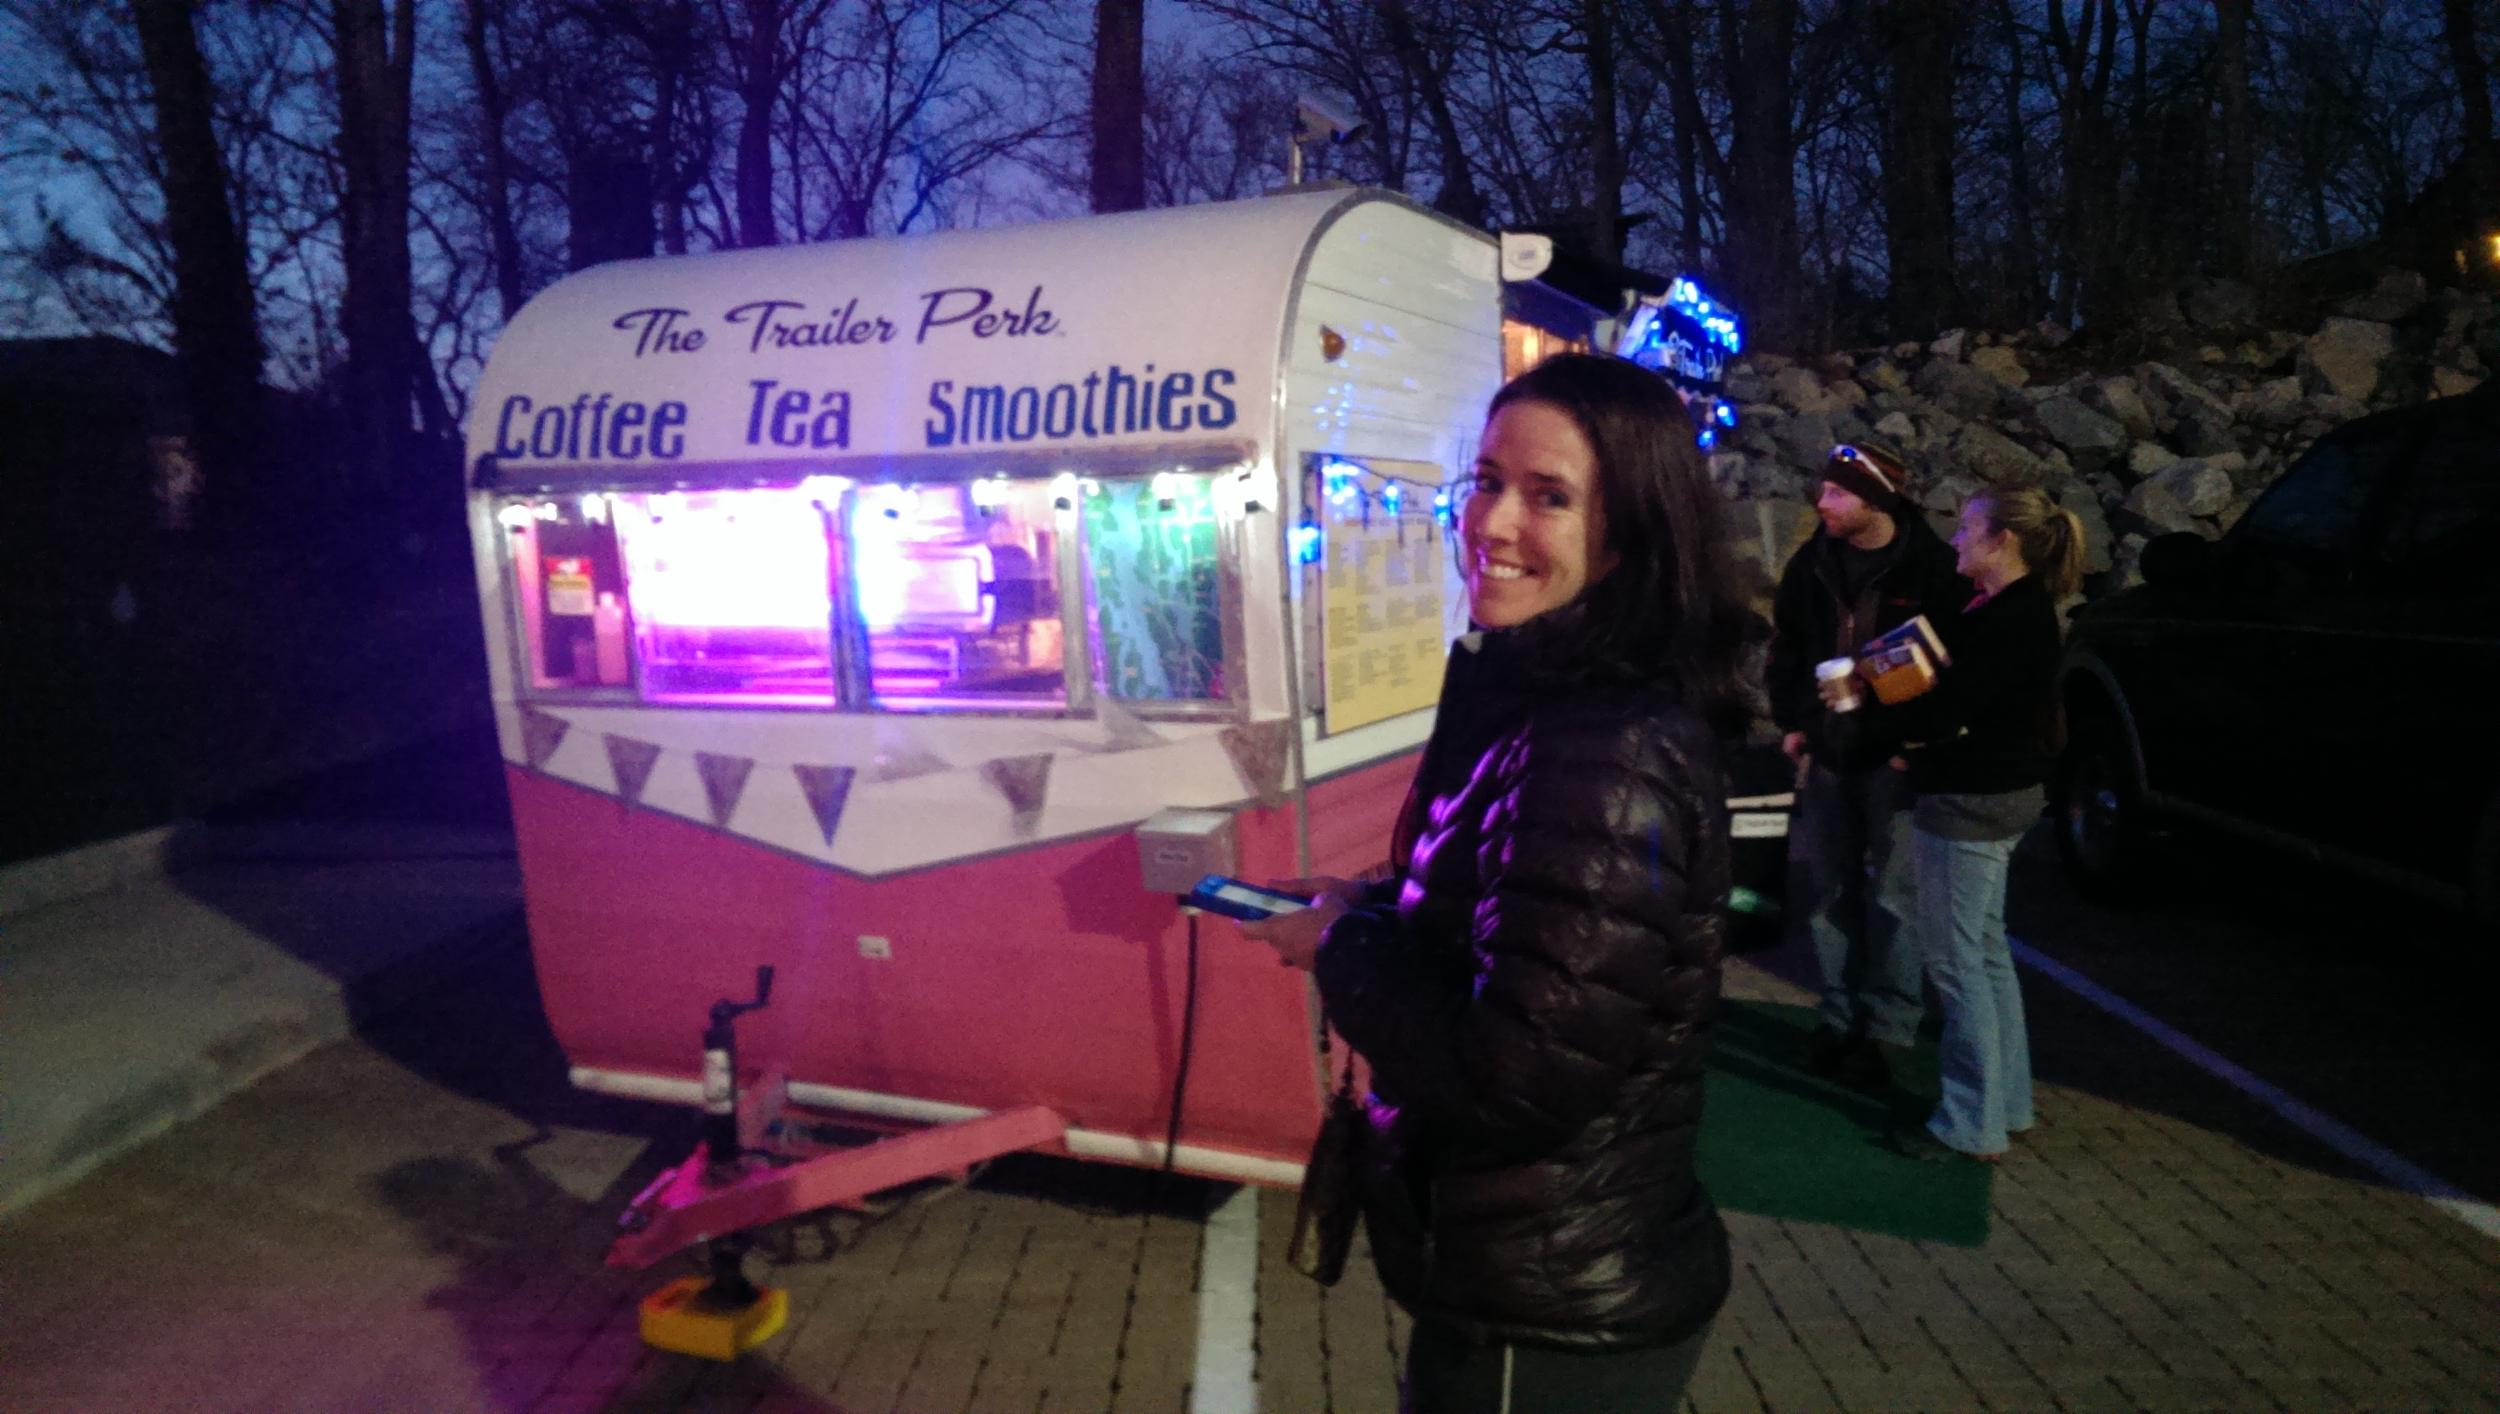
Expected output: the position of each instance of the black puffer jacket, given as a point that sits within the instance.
(1535, 1007)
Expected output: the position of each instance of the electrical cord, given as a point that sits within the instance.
(1189, 1039)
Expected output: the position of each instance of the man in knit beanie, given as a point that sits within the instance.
(1873, 565)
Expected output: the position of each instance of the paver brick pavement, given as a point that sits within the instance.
(441, 1251)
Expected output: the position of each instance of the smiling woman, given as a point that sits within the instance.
(1534, 994)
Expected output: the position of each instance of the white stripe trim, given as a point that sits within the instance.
(2398, 1171)
(1226, 1381)
(1084, 1143)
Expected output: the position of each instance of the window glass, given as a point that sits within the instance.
(2446, 526)
(1157, 617)
(729, 600)
(569, 583)
(958, 587)
(2314, 510)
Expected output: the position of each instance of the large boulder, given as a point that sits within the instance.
(2205, 430)
(2451, 382)
(2002, 364)
(1950, 344)
(1942, 496)
(2397, 294)
(2176, 390)
(2079, 428)
(1994, 457)
(2158, 508)
(2120, 398)
(1957, 388)
(2346, 356)
(2198, 487)
(2146, 458)
(1805, 439)
(1805, 391)
(2274, 403)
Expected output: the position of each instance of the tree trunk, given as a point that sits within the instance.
(2023, 259)
(1759, 246)
(2478, 164)
(1119, 105)
(1458, 197)
(2234, 240)
(759, 84)
(2085, 53)
(1919, 38)
(216, 323)
(1696, 148)
(1605, 149)
(375, 55)
(505, 240)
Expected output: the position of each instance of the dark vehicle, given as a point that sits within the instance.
(2324, 679)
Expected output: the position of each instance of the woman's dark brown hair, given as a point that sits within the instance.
(1668, 609)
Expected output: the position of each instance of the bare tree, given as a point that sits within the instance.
(376, 56)
(1919, 40)
(1119, 108)
(1605, 151)
(760, 65)
(2233, 241)
(1759, 253)
(1427, 58)
(216, 322)
(477, 19)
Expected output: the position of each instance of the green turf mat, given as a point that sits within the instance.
(1782, 1142)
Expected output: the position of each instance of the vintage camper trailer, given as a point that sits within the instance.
(917, 616)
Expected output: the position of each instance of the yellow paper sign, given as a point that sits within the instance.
(1381, 586)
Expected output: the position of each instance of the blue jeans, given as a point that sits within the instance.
(1985, 1059)
(1849, 893)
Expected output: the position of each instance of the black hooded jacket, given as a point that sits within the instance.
(1811, 622)
(1535, 1008)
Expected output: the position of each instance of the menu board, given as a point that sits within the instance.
(1384, 568)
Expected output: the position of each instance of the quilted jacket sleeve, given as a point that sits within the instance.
(1585, 862)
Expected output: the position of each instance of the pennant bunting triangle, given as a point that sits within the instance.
(1122, 731)
(632, 761)
(1258, 751)
(541, 734)
(828, 789)
(724, 780)
(1025, 781)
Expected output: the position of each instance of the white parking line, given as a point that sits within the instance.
(1228, 1308)
(2399, 1172)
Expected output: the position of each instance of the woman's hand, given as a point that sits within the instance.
(1836, 692)
(1296, 936)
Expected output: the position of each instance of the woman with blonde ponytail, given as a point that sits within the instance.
(1979, 746)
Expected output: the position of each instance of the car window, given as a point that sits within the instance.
(2313, 512)
(2445, 529)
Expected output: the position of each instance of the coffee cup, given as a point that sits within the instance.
(1843, 671)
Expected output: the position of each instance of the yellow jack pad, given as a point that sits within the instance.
(681, 1317)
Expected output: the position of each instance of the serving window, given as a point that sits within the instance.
(1002, 593)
